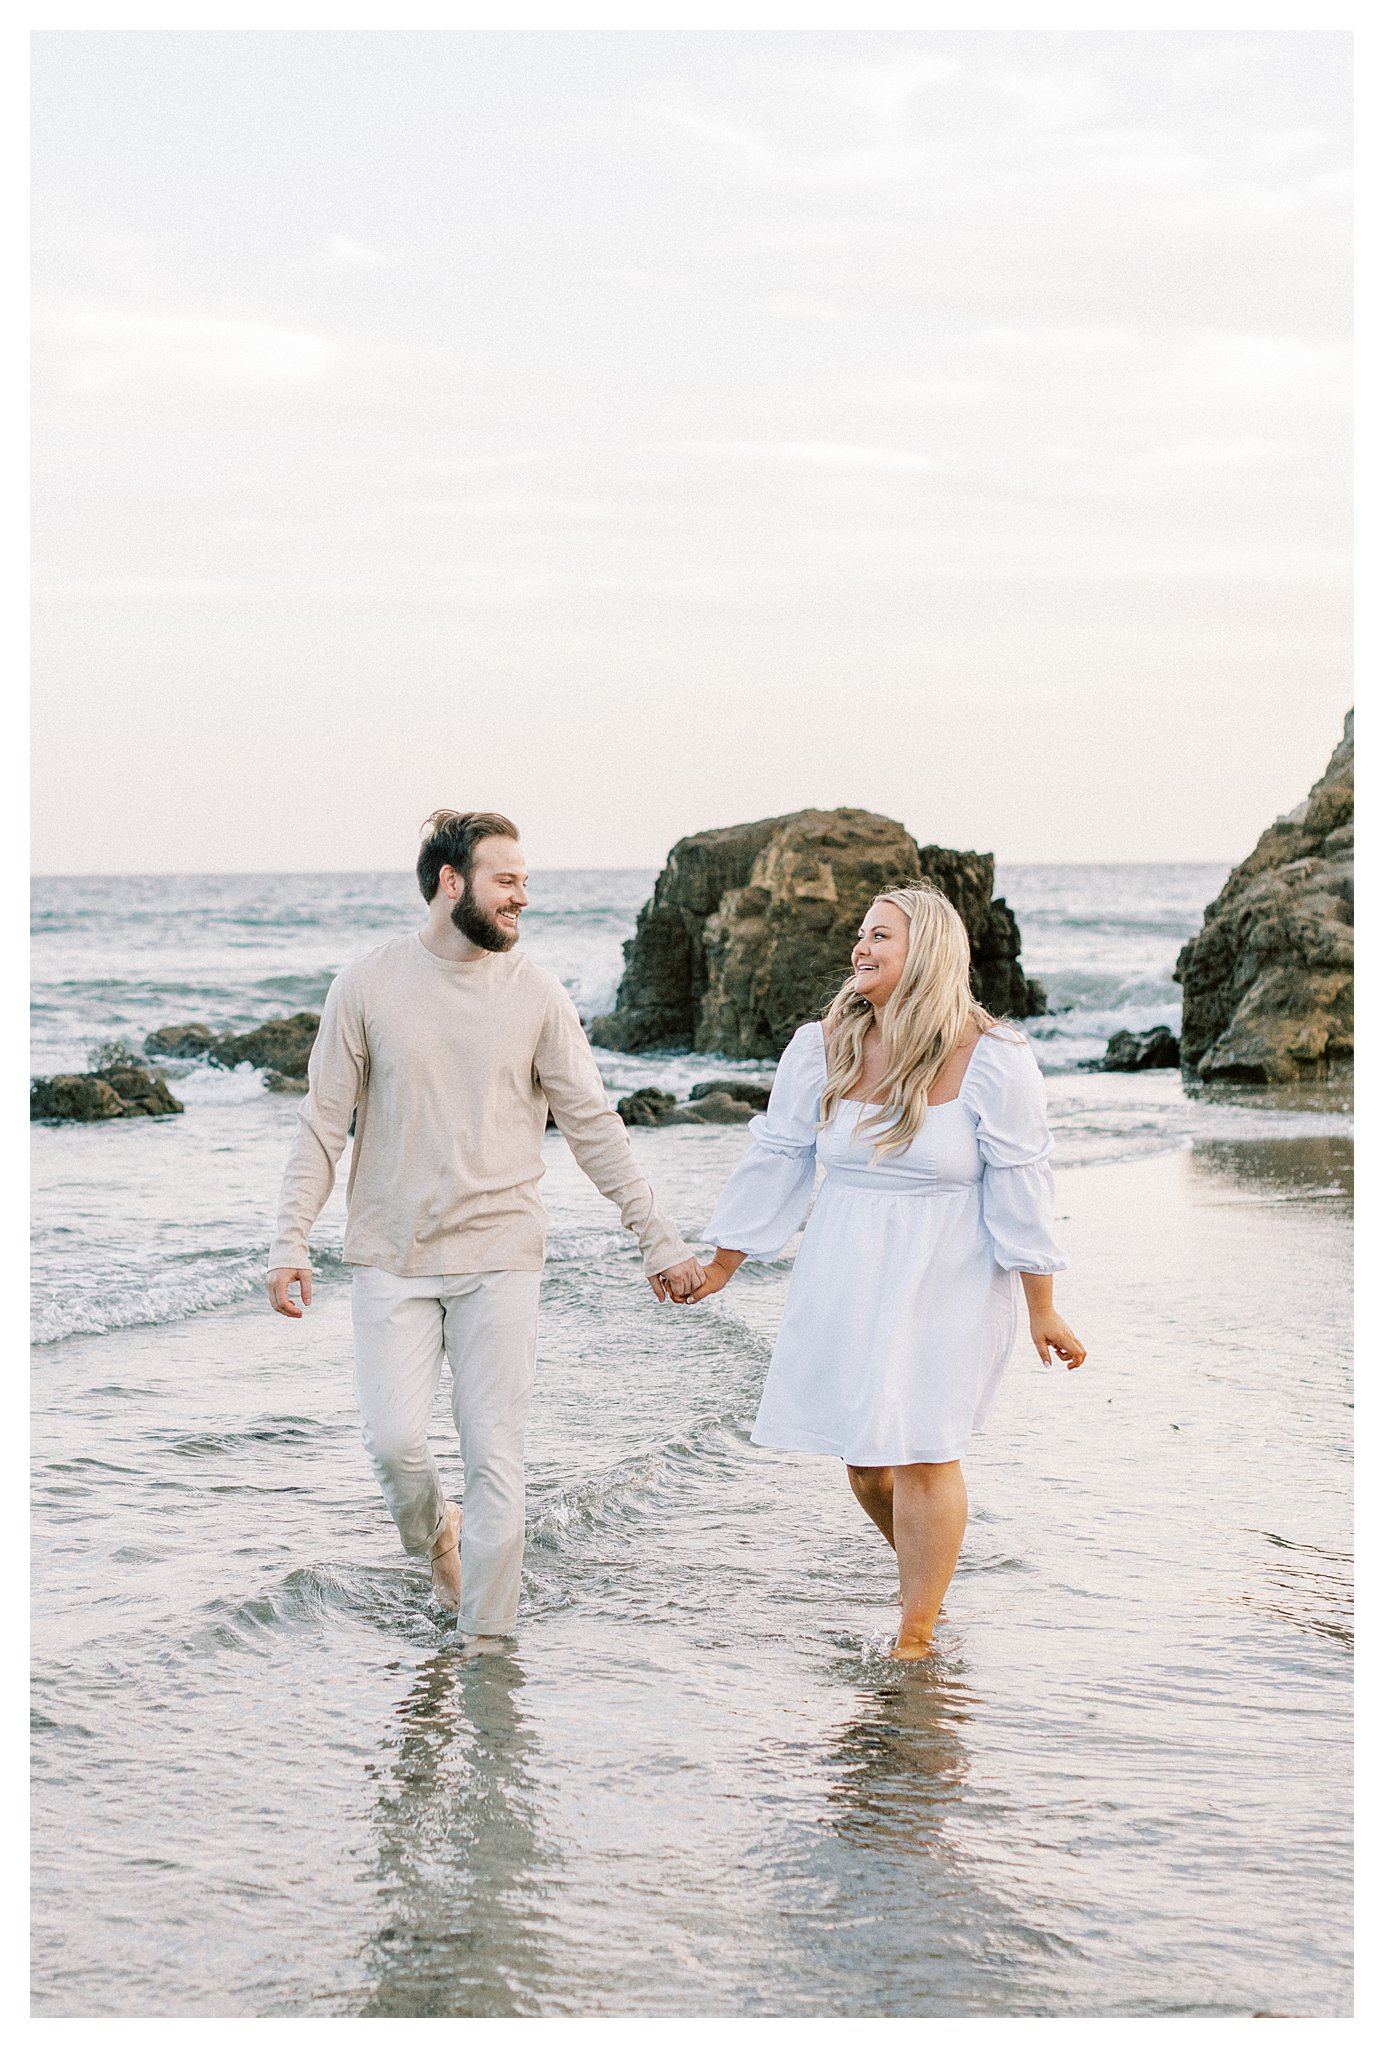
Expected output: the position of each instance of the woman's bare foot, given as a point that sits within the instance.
(482, 1646)
(912, 1645)
(446, 1561)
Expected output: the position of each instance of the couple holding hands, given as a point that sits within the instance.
(448, 1047)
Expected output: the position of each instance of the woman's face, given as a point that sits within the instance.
(880, 952)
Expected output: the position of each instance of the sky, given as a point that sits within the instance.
(641, 432)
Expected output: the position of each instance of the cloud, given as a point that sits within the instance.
(98, 349)
(812, 454)
(344, 252)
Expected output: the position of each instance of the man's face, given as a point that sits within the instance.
(488, 907)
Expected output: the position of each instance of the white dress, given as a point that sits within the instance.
(904, 1298)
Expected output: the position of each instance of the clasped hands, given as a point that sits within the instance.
(692, 1281)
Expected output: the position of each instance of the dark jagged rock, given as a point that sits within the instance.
(750, 928)
(1131, 1052)
(180, 1042)
(710, 1104)
(645, 1106)
(281, 1044)
(756, 1093)
(112, 1091)
(710, 1109)
(73, 1098)
(285, 1084)
(1268, 984)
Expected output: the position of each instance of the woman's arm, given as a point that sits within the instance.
(718, 1271)
(1046, 1327)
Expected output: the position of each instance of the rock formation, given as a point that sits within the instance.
(1131, 1052)
(117, 1088)
(707, 1105)
(281, 1044)
(749, 930)
(1268, 984)
(752, 1092)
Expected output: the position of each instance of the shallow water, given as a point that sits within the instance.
(264, 1783)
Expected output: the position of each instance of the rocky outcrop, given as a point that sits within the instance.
(180, 1042)
(1268, 984)
(645, 1105)
(281, 1044)
(117, 1089)
(708, 1104)
(750, 928)
(753, 1092)
(1132, 1052)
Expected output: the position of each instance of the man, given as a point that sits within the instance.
(447, 1047)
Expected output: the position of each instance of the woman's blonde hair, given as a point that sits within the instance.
(925, 1019)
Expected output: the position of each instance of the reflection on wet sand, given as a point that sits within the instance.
(1308, 1586)
(459, 1852)
(1279, 1166)
(900, 1762)
(901, 1816)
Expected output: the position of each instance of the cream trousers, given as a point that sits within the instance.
(485, 1325)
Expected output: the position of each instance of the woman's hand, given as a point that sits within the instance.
(717, 1271)
(1050, 1334)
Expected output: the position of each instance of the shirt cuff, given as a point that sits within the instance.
(664, 1248)
(285, 1252)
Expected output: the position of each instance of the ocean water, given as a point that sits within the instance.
(264, 1783)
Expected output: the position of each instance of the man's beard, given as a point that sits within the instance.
(481, 930)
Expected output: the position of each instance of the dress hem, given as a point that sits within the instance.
(802, 1440)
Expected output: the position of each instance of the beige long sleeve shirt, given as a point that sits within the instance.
(449, 1068)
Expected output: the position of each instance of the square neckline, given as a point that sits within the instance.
(857, 1102)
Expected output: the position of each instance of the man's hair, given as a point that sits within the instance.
(450, 839)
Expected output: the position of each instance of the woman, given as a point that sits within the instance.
(928, 1117)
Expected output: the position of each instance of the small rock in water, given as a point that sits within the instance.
(281, 1043)
(114, 1091)
(645, 1106)
(285, 1084)
(710, 1109)
(710, 1104)
(180, 1042)
(753, 1092)
(1130, 1052)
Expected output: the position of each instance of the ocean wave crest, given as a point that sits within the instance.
(208, 1281)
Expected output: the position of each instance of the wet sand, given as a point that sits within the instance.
(264, 1783)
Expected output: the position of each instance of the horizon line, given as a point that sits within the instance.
(577, 868)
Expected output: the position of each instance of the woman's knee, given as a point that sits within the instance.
(942, 1478)
(871, 1482)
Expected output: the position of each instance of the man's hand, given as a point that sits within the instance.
(677, 1283)
(280, 1279)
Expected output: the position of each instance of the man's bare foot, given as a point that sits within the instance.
(446, 1561)
(911, 1646)
(481, 1646)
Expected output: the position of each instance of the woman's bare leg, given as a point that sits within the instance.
(873, 1487)
(928, 1521)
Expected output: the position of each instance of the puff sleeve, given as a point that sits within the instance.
(1004, 1092)
(766, 1198)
